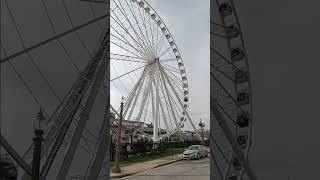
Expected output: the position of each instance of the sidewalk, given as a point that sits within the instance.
(135, 168)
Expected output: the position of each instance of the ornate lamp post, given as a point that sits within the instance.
(116, 168)
(39, 126)
(202, 125)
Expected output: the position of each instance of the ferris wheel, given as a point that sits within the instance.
(147, 69)
(231, 95)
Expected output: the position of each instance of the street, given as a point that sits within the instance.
(182, 170)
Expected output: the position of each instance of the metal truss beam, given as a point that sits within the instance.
(4, 143)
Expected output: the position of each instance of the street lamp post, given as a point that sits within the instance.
(116, 168)
(39, 125)
(201, 124)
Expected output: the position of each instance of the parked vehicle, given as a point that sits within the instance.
(195, 152)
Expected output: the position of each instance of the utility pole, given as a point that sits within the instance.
(116, 168)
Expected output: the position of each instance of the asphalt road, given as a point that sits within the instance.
(182, 170)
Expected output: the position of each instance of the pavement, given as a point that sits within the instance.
(179, 170)
(127, 170)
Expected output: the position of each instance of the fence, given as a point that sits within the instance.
(144, 147)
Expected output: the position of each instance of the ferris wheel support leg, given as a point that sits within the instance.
(82, 121)
(145, 97)
(138, 86)
(141, 82)
(153, 112)
(156, 117)
(103, 151)
(229, 135)
(163, 114)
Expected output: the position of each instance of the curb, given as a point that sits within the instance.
(160, 165)
(121, 176)
(166, 163)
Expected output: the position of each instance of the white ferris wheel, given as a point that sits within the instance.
(147, 69)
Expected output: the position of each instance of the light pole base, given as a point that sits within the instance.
(116, 169)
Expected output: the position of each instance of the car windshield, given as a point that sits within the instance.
(193, 147)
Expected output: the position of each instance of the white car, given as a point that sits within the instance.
(195, 152)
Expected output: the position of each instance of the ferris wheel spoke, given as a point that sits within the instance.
(165, 75)
(134, 30)
(154, 25)
(139, 44)
(169, 99)
(227, 92)
(217, 167)
(163, 53)
(127, 33)
(142, 34)
(160, 45)
(220, 149)
(147, 34)
(58, 36)
(76, 32)
(119, 80)
(20, 77)
(173, 69)
(218, 35)
(227, 114)
(135, 17)
(178, 81)
(151, 27)
(97, 1)
(175, 82)
(128, 73)
(166, 102)
(224, 58)
(222, 72)
(177, 109)
(128, 43)
(167, 60)
(119, 59)
(118, 22)
(218, 24)
(124, 49)
(70, 59)
(126, 56)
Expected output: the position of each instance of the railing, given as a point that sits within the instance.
(145, 147)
